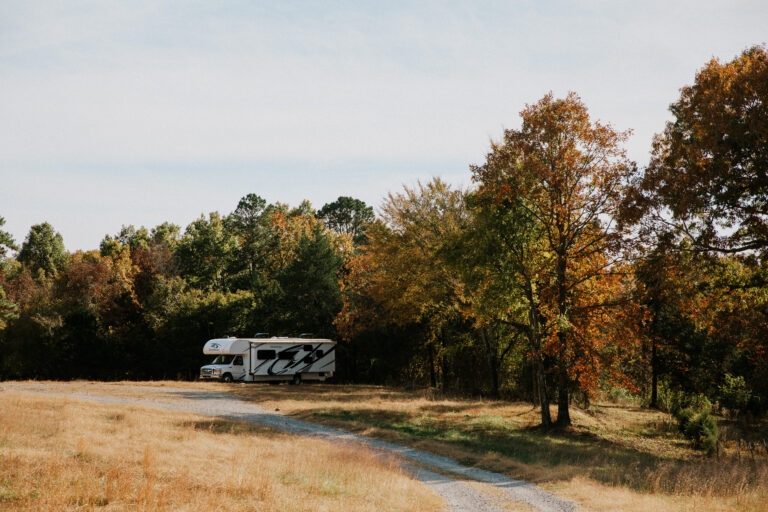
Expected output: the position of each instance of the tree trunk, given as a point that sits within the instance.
(431, 355)
(546, 419)
(563, 414)
(493, 361)
(443, 361)
(654, 377)
(534, 384)
(534, 334)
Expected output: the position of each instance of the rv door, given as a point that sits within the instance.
(238, 369)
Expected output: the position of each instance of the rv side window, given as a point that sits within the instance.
(238, 361)
(308, 348)
(286, 355)
(320, 353)
(266, 354)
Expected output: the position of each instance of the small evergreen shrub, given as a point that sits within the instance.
(684, 417)
(702, 430)
(695, 422)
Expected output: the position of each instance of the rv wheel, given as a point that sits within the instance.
(296, 379)
(226, 377)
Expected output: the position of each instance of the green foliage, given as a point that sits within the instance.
(7, 309)
(683, 417)
(6, 241)
(145, 303)
(166, 233)
(204, 252)
(311, 297)
(702, 430)
(734, 395)
(695, 422)
(696, 402)
(43, 250)
(347, 215)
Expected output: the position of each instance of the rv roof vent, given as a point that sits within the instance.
(261, 335)
(305, 335)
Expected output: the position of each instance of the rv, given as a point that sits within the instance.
(270, 359)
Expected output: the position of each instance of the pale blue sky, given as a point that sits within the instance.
(139, 112)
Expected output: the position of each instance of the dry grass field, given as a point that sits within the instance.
(615, 457)
(64, 454)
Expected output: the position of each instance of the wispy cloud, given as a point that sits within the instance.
(392, 92)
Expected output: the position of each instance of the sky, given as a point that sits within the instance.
(115, 113)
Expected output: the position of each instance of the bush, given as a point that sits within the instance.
(734, 395)
(684, 417)
(700, 427)
(702, 430)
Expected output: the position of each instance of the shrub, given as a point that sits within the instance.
(700, 427)
(683, 417)
(734, 395)
(702, 430)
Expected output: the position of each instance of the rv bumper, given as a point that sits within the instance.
(210, 374)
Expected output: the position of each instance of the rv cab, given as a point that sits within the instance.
(226, 367)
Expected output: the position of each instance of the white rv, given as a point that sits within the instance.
(270, 359)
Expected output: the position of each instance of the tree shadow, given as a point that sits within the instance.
(541, 456)
(237, 428)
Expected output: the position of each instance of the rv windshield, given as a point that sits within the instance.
(222, 360)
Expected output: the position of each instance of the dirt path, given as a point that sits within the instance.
(459, 496)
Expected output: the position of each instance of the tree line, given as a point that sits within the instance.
(563, 270)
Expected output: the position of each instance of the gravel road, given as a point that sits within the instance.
(458, 495)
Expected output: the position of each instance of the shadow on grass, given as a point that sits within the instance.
(219, 426)
(496, 437)
(569, 451)
(313, 392)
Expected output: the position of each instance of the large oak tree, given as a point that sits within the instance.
(707, 180)
(567, 173)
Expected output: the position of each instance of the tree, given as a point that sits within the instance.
(500, 258)
(248, 217)
(567, 173)
(6, 241)
(402, 271)
(248, 223)
(166, 233)
(43, 250)
(204, 252)
(348, 216)
(129, 237)
(311, 298)
(7, 308)
(707, 181)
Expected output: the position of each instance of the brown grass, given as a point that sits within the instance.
(615, 457)
(65, 454)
